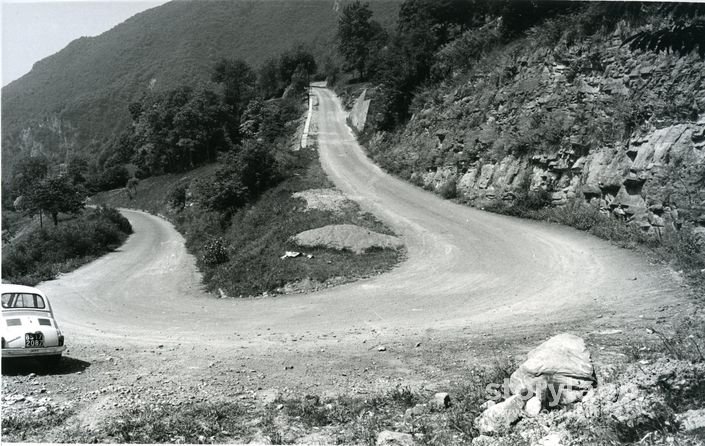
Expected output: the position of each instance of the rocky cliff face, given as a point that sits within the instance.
(587, 120)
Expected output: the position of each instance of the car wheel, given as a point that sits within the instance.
(52, 361)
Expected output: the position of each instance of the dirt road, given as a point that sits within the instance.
(472, 281)
(466, 269)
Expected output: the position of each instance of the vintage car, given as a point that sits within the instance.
(28, 326)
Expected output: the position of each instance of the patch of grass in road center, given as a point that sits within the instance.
(257, 237)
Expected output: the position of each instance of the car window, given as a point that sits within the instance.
(22, 300)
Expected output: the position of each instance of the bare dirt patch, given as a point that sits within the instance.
(347, 237)
(331, 200)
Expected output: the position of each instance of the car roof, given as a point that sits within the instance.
(9, 288)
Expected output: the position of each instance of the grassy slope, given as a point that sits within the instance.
(89, 84)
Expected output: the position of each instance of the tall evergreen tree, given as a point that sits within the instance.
(355, 34)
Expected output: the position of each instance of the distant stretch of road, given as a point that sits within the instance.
(465, 269)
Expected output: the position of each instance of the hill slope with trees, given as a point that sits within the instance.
(76, 100)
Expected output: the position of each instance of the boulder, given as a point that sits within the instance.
(559, 371)
(692, 420)
(390, 438)
(533, 406)
(551, 439)
(260, 438)
(440, 401)
(316, 438)
(415, 412)
(484, 440)
(498, 419)
(467, 181)
(487, 404)
(485, 176)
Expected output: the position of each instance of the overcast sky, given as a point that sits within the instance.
(33, 30)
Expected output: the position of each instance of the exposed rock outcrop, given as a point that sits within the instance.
(626, 134)
(358, 114)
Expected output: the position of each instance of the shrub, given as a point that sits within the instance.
(114, 216)
(177, 196)
(215, 252)
(168, 424)
(534, 200)
(448, 189)
(44, 252)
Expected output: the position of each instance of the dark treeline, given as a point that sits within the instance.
(236, 118)
(179, 129)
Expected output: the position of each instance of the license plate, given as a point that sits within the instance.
(33, 340)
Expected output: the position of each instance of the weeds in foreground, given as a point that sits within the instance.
(22, 428)
(203, 423)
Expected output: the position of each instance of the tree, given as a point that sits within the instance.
(28, 172)
(77, 169)
(131, 187)
(299, 81)
(247, 171)
(355, 36)
(198, 126)
(239, 83)
(268, 83)
(177, 130)
(257, 167)
(293, 59)
(58, 194)
(27, 175)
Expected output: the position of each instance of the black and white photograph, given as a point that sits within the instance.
(353, 222)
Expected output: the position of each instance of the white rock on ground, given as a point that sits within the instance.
(484, 440)
(500, 417)
(390, 438)
(533, 406)
(350, 237)
(487, 404)
(692, 420)
(260, 438)
(415, 412)
(552, 439)
(560, 371)
(316, 438)
(440, 400)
